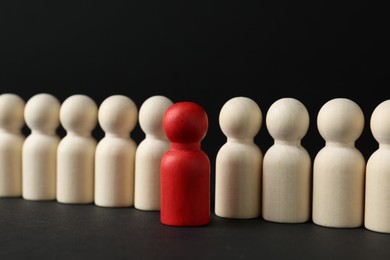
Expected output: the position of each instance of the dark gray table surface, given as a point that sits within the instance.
(50, 230)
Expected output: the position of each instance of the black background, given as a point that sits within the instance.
(201, 51)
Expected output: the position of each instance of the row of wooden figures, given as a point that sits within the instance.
(169, 172)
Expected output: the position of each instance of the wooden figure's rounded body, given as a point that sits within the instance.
(377, 189)
(339, 167)
(75, 169)
(338, 191)
(114, 172)
(147, 179)
(76, 151)
(115, 153)
(11, 144)
(40, 167)
(150, 152)
(238, 181)
(286, 184)
(287, 164)
(40, 148)
(239, 161)
(185, 168)
(11, 165)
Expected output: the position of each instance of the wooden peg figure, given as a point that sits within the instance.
(115, 153)
(76, 151)
(287, 164)
(238, 161)
(149, 153)
(339, 167)
(41, 114)
(11, 143)
(377, 196)
(185, 168)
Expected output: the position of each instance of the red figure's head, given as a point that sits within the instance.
(185, 122)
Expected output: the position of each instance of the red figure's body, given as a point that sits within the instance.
(185, 168)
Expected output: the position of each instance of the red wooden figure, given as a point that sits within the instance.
(185, 168)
